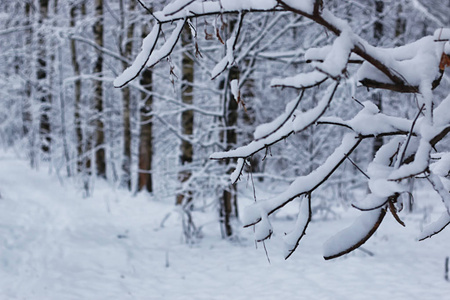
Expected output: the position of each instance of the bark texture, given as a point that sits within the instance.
(187, 116)
(98, 92)
(145, 180)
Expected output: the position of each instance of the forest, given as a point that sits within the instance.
(144, 143)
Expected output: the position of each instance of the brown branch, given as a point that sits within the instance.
(393, 210)
(304, 229)
(325, 178)
(437, 138)
(436, 231)
(316, 17)
(364, 239)
(400, 88)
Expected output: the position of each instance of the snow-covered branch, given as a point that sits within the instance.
(413, 68)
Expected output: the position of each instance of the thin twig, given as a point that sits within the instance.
(358, 168)
(253, 183)
(148, 10)
(357, 101)
(265, 250)
(289, 115)
(410, 134)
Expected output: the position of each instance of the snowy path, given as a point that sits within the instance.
(55, 245)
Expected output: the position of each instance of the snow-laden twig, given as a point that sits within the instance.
(148, 46)
(292, 239)
(303, 184)
(354, 236)
(304, 120)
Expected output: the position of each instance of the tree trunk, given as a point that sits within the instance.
(27, 113)
(60, 71)
(98, 92)
(82, 138)
(146, 133)
(229, 195)
(187, 116)
(128, 31)
(42, 77)
(81, 162)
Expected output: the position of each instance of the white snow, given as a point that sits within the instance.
(269, 128)
(301, 121)
(175, 6)
(292, 238)
(441, 117)
(264, 228)
(336, 60)
(413, 62)
(234, 86)
(228, 59)
(385, 188)
(442, 166)
(302, 80)
(315, 54)
(435, 227)
(302, 184)
(352, 235)
(442, 34)
(237, 171)
(166, 49)
(219, 67)
(149, 56)
(55, 245)
(306, 6)
(140, 61)
(370, 202)
(180, 9)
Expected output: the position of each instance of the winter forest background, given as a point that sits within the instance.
(125, 193)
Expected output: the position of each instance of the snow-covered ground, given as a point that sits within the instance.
(54, 244)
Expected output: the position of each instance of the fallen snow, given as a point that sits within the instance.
(55, 245)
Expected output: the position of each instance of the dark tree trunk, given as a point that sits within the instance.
(42, 77)
(187, 116)
(229, 196)
(128, 32)
(98, 92)
(81, 162)
(146, 133)
(26, 111)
